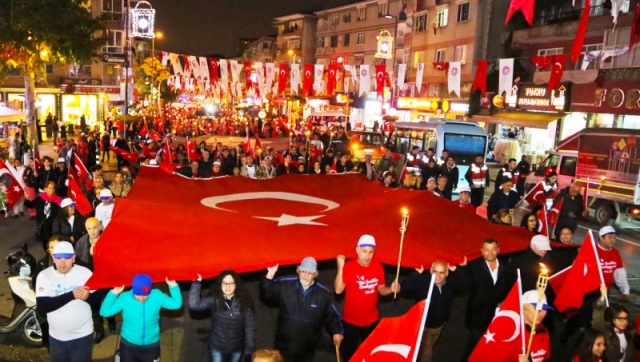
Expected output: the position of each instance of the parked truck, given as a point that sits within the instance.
(607, 161)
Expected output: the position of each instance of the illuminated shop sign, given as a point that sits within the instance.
(538, 98)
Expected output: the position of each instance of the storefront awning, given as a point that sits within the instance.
(10, 115)
(521, 119)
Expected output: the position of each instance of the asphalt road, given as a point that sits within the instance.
(184, 333)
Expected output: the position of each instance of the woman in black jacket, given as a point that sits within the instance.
(69, 224)
(232, 319)
(46, 205)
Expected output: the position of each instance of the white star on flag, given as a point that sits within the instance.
(489, 337)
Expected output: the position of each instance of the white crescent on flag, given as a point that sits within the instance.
(516, 321)
(401, 349)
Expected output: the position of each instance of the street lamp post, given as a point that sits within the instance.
(159, 35)
(395, 47)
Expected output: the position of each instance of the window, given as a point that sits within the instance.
(294, 44)
(421, 23)
(460, 54)
(548, 164)
(360, 38)
(383, 9)
(49, 68)
(550, 51)
(442, 18)
(115, 41)
(463, 12)
(347, 39)
(334, 41)
(335, 20)
(592, 52)
(113, 9)
(80, 71)
(440, 53)
(346, 17)
(362, 14)
(568, 166)
(320, 42)
(358, 59)
(614, 43)
(265, 45)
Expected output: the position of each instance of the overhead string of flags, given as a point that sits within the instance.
(221, 78)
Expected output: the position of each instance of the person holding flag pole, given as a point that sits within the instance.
(536, 299)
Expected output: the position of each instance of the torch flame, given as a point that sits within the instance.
(405, 211)
(543, 269)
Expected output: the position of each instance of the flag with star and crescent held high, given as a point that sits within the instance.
(247, 225)
(10, 185)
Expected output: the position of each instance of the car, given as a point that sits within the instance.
(367, 142)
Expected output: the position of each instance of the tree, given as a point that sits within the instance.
(151, 74)
(34, 33)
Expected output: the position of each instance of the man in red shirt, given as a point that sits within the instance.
(364, 280)
(464, 202)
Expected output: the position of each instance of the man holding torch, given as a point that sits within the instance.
(364, 279)
(534, 309)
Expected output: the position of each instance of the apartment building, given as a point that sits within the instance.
(261, 50)
(295, 42)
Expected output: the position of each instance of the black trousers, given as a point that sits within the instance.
(353, 337)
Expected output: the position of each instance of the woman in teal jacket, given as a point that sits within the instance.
(140, 309)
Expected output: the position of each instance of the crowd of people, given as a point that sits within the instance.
(74, 314)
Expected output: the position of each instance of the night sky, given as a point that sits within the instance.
(204, 27)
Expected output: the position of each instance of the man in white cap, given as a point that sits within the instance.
(464, 202)
(105, 209)
(540, 346)
(305, 307)
(529, 261)
(62, 296)
(363, 279)
(613, 271)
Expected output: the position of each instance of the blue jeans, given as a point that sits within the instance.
(217, 356)
(75, 350)
(130, 352)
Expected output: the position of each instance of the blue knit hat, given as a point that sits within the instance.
(141, 285)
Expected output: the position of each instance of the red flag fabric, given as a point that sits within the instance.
(144, 131)
(554, 214)
(395, 336)
(282, 78)
(557, 69)
(542, 61)
(504, 339)
(10, 185)
(258, 145)
(526, 6)
(578, 41)
(332, 71)
(247, 74)
(635, 29)
(536, 196)
(82, 203)
(155, 135)
(444, 66)
(166, 153)
(213, 70)
(380, 70)
(582, 277)
(480, 81)
(543, 224)
(282, 209)
(247, 142)
(307, 80)
(130, 157)
(81, 171)
(192, 154)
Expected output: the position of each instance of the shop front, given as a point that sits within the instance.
(426, 108)
(94, 102)
(526, 122)
(610, 104)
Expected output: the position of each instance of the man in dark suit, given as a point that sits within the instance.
(487, 280)
(450, 170)
(504, 198)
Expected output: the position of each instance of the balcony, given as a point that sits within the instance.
(291, 32)
(561, 26)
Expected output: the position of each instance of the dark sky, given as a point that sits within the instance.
(201, 27)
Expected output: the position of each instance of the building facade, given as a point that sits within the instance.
(295, 42)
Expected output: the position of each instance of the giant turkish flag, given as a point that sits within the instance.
(174, 227)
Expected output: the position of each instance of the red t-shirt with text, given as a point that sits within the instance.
(610, 260)
(540, 346)
(361, 286)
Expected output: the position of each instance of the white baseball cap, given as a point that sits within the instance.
(367, 240)
(541, 242)
(532, 297)
(606, 230)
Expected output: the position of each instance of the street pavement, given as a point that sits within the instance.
(184, 333)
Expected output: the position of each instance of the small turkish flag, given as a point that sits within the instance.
(144, 130)
(542, 61)
(557, 68)
(582, 277)
(307, 80)
(396, 336)
(480, 81)
(166, 152)
(247, 74)
(155, 136)
(213, 70)
(554, 214)
(82, 172)
(380, 70)
(331, 78)
(282, 78)
(444, 66)
(536, 196)
(504, 339)
(82, 203)
(543, 224)
(10, 185)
